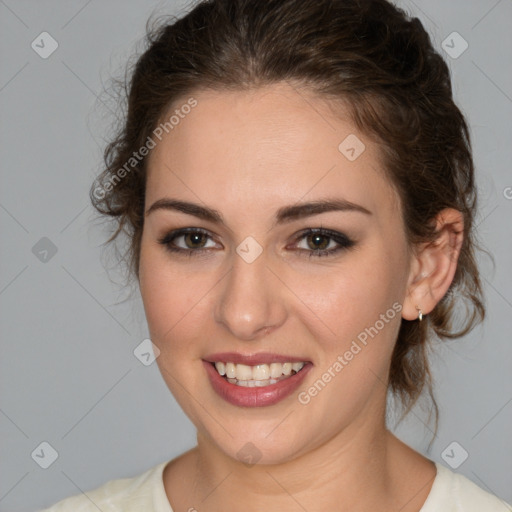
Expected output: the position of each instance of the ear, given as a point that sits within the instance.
(433, 265)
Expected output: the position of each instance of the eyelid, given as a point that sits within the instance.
(172, 235)
(322, 231)
(344, 242)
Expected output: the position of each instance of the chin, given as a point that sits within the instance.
(258, 450)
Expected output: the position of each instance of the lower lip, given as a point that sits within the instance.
(257, 396)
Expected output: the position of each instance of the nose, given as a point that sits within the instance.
(251, 301)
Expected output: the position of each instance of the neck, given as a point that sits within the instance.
(349, 472)
(363, 467)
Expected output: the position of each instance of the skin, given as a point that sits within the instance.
(246, 154)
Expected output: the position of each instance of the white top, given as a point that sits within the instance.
(451, 492)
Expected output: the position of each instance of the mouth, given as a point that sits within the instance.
(259, 375)
(262, 383)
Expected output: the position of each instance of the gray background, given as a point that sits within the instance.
(68, 373)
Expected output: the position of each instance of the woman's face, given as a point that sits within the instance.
(252, 288)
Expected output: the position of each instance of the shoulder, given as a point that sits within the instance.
(453, 492)
(143, 492)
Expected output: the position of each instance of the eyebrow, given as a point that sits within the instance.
(284, 214)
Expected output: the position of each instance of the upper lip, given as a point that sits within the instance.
(252, 359)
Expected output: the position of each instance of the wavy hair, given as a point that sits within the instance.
(370, 55)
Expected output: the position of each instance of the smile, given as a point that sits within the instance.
(259, 375)
(257, 380)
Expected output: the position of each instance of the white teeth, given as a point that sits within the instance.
(297, 366)
(276, 370)
(221, 368)
(252, 383)
(260, 372)
(257, 375)
(243, 372)
(230, 370)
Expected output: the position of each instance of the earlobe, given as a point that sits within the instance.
(434, 265)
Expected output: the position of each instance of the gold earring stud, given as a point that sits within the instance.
(420, 314)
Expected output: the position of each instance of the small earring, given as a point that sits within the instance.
(420, 314)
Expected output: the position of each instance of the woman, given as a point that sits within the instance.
(297, 186)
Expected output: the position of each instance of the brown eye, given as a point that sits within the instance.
(317, 241)
(323, 242)
(188, 241)
(193, 239)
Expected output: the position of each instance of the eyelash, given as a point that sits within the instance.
(343, 241)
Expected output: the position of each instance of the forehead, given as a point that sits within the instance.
(273, 145)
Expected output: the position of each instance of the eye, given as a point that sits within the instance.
(319, 242)
(194, 240)
(324, 242)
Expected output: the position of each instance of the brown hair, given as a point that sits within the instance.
(367, 53)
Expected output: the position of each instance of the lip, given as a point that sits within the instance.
(257, 396)
(252, 359)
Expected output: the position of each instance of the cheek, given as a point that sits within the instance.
(354, 326)
(163, 296)
(342, 301)
(175, 305)
(353, 316)
(175, 302)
